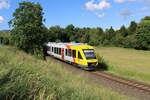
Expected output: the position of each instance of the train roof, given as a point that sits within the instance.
(72, 44)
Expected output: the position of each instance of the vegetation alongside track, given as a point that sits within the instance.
(129, 63)
(24, 77)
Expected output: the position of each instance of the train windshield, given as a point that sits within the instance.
(89, 53)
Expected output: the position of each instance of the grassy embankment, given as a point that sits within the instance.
(129, 63)
(24, 77)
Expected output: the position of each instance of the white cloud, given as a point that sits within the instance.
(103, 4)
(95, 7)
(100, 15)
(122, 1)
(125, 13)
(148, 1)
(1, 19)
(146, 8)
(4, 4)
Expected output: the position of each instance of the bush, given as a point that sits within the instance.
(5, 38)
(102, 65)
(38, 53)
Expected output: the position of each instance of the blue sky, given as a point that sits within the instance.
(82, 13)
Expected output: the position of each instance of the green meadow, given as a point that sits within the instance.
(129, 63)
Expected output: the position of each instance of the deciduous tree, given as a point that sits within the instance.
(28, 31)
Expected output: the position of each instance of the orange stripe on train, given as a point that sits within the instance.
(71, 53)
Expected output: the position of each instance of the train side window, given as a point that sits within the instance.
(52, 49)
(74, 53)
(59, 51)
(55, 50)
(79, 55)
(66, 52)
(69, 52)
(48, 48)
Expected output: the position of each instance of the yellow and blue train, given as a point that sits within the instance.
(80, 54)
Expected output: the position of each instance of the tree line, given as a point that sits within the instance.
(29, 33)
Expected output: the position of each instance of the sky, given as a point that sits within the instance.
(82, 13)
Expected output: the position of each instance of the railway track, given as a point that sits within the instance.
(134, 84)
(142, 90)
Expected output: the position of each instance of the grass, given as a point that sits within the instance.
(129, 63)
(23, 77)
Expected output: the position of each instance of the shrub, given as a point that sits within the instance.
(102, 65)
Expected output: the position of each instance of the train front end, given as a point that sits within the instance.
(88, 60)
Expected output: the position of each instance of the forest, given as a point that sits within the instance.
(30, 34)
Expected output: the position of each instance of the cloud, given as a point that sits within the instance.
(122, 1)
(125, 13)
(148, 2)
(1, 19)
(100, 15)
(95, 7)
(103, 4)
(4, 4)
(146, 8)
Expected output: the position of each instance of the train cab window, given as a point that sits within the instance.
(79, 55)
(69, 52)
(66, 52)
(74, 53)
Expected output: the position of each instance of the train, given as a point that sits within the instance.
(80, 54)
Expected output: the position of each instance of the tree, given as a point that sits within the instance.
(70, 31)
(143, 36)
(123, 31)
(110, 33)
(132, 27)
(57, 33)
(94, 37)
(28, 31)
(146, 19)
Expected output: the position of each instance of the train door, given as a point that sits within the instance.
(80, 58)
(62, 54)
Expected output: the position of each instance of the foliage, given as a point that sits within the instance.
(146, 19)
(132, 27)
(28, 31)
(102, 64)
(5, 38)
(123, 31)
(143, 36)
(95, 36)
